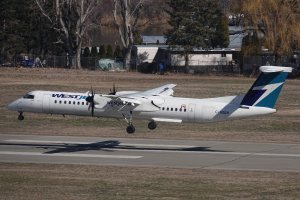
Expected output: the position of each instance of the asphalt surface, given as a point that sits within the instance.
(150, 152)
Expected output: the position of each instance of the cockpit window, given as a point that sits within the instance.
(28, 96)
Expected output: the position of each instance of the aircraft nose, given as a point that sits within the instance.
(13, 105)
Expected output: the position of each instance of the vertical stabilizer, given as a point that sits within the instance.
(266, 89)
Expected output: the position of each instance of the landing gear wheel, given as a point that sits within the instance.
(152, 125)
(130, 129)
(21, 117)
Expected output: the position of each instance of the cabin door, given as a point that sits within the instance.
(191, 112)
(46, 104)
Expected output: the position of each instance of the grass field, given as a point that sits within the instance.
(46, 181)
(38, 181)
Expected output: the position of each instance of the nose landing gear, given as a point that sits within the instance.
(21, 117)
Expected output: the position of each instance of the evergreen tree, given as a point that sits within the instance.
(118, 52)
(12, 27)
(102, 51)
(86, 52)
(109, 51)
(137, 37)
(23, 30)
(221, 38)
(194, 24)
(94, 52)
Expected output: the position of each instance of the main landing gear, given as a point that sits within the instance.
(152, 125)
(21, 117)
(131, 129)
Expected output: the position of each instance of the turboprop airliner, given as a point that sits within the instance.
(159, 104)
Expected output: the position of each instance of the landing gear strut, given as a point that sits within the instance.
(21, 117)
(152, 125)
(130, 128)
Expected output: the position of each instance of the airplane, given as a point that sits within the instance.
(159, 104)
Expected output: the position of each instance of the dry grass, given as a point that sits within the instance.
(283, 126)
(45, 181)
(41, 181)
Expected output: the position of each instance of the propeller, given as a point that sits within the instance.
(113, 91)
(90, 99)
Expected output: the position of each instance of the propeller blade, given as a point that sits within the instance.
(90, 99)
(93, 108)
(113, 91)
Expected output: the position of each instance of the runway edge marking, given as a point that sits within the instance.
(69, 155)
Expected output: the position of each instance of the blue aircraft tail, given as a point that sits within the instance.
(265, 90)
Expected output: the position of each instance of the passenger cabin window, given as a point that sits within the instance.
(28, 96)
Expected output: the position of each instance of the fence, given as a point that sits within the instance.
(93, 63)
(207, 67)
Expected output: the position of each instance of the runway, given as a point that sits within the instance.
(150, 152)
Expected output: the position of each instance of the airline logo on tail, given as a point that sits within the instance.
(267, 87)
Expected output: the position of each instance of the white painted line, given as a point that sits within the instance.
(47, 141)
(158, 145)
(208, 152)
(69, 155)
(123, 144)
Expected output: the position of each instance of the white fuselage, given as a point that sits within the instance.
(170, 109)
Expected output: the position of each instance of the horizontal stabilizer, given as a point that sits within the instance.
(270, 69)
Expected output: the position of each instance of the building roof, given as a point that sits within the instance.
(236, 35)
(154, 39)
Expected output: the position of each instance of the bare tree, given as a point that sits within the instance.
(70, 19)
(276, 21)
(126, 15)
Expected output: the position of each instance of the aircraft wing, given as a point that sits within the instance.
(138, 104)
(165, 90)
(146, 101)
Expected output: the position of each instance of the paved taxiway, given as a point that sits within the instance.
(150, 152)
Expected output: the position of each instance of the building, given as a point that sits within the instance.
(174, 59)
